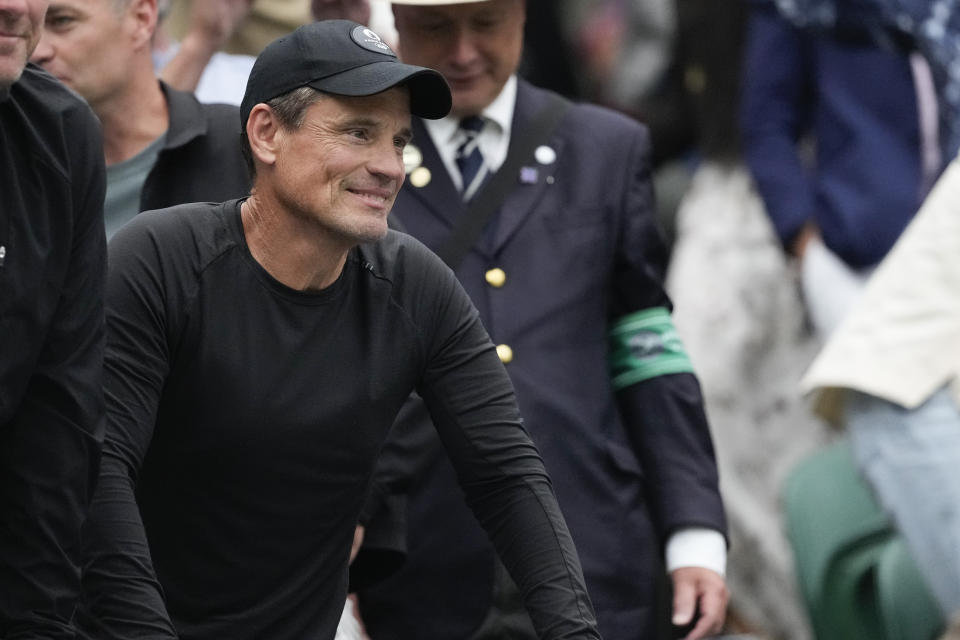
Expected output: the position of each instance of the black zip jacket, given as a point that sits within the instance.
(52, 272)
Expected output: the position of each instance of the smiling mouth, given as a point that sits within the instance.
(375, 199)
(463, 79)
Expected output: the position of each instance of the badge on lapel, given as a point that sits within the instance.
(544, 155)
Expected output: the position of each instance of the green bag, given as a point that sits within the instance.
(854, 574)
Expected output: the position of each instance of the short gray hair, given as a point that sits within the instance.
(290, 109)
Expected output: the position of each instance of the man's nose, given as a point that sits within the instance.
(44, 51)
(387, 163)
(463, 48)
(11, 10)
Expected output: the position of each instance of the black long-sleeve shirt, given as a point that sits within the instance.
(244, 419)
(52, 269)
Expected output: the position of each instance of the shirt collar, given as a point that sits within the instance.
(500, 112)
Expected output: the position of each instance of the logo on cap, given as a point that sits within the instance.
(370, 41)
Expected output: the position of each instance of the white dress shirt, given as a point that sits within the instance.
(493, 139)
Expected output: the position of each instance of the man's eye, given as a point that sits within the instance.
(433, 27)
(360, 134)
(59, 22)
(486, 23)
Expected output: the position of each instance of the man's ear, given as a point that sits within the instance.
(263, 134)
(142, 15)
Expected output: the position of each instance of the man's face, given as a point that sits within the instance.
(21, 22)
(86, 45)
(343, 167)
(476, 46)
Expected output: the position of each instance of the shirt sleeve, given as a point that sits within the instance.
(774, 113)
(658, 394)
(50, 458)
(697, 547)
(472, 403)
(122, 596)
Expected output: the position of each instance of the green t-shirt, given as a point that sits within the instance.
(124, 185)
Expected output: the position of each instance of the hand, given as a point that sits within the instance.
(357, 542)
(799, 245)
(697, 584)
(212, 22)
(356, 10)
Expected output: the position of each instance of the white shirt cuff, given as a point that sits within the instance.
(697, 547)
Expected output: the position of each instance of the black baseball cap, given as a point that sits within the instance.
(343, 58)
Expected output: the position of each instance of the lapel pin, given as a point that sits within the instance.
(528, 175)
(545, 154)
(420, 177)
(412, 158)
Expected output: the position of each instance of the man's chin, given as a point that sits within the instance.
(362, 231)
(373, 233)
(9, 74)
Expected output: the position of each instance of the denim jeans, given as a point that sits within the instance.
(911, 459)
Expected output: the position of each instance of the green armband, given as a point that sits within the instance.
(645, 345)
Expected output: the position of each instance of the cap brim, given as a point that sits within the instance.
(429, 93)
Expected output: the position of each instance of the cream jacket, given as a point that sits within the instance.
(901, 341)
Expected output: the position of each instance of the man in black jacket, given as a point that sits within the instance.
(162, 147)
(52, 265)
(257, 354)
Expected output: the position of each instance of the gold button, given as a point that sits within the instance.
(496, 277)
(420, 177)
(505, 353)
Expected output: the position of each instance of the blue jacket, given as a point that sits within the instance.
(859, 103)
(934, 27)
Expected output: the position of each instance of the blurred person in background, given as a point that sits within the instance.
(667, 63)
(889, 371)
(835, 136)
(195, 63)
(890, 374)
(266, 21)
(932, 27)
(270, 19)
(161, 146)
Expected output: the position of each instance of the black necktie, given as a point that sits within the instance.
(468, 156)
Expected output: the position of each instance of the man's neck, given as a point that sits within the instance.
(133, 119)
(295, 251)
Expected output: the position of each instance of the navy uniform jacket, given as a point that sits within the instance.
(578, 249)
